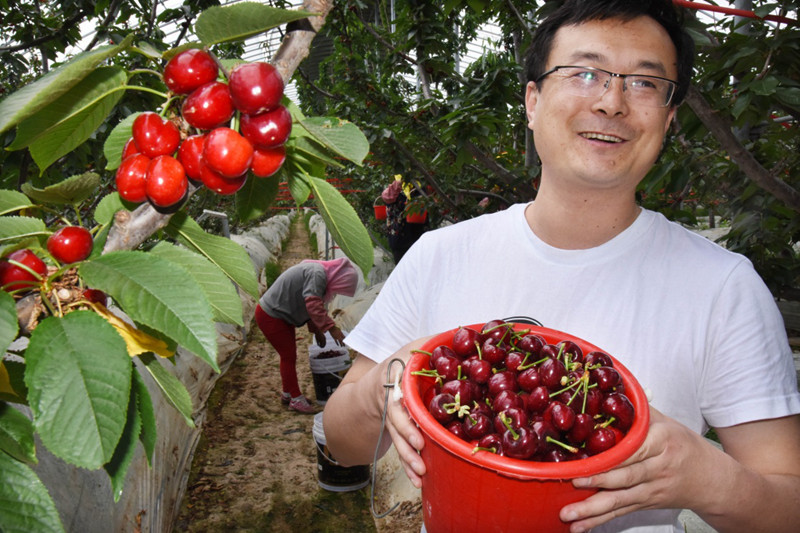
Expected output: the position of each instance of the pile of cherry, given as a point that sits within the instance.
(234, 129)
(513, 394)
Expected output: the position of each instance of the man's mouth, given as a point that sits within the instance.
(601, 137)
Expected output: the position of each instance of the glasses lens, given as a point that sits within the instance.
(639, 90)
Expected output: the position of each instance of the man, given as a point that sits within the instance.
(692, 321)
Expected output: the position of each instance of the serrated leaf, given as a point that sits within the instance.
(136, 340)
(78, 376)
(117, 467)
(174, 391)
(340, 136)
(72, 132)
(231, 258)
(84, 96)
(28, 100)
(310, 148)
(115, 142)
(148, 434)
(71, 191)
(108, 207)
(13, 387)
(257, 195)
(16, 434)
(220, 291)
(155, 292)
(11, 201)
(9, 325)
(239, 21)
(342, 221)
(15, 228)
(25, 504)
(299, 188)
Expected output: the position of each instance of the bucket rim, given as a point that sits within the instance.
(436, 434)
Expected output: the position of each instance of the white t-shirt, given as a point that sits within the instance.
(692, 321)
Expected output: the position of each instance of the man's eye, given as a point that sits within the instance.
(586, 75)
(644, 84)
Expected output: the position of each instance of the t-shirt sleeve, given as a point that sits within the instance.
(749, 373)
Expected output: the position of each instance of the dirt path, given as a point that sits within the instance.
(255, 468)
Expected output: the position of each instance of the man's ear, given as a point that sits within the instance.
(531, 98)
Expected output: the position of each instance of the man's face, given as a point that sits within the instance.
(601, 143)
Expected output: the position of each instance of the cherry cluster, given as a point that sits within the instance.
(22, 270)
(512, 393)
(163, 155)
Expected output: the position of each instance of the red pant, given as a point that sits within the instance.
(281, 335)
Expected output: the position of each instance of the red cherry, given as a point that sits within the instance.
(190, 154)
(189, 70)
(95, 296)
(267, 161)
(208, 106)
(269, 129)
(219, 183)
(13, 277)
(225, 151)
(70, 244)
(129, 149)
(255, 87)
(166, 182)
(155, 135)
(131, 176)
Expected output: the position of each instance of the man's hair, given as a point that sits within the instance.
(575, 12)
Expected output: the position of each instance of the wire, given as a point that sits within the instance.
(388, 386)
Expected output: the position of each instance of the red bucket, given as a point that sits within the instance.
(484, 492)
(380, 212)
(417, 218)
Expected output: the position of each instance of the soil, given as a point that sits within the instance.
(255, 467)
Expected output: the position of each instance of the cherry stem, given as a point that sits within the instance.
(507, 423)
(571, 449)
(477, 449)
(535, 363)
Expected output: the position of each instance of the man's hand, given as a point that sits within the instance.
(677, 468)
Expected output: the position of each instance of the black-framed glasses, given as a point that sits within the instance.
(590, 82)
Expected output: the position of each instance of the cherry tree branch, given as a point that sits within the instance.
(132, 228)
(721, 129)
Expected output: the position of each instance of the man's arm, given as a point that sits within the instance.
(753, 485)
(353, 414)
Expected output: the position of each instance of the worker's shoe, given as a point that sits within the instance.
(301, 405)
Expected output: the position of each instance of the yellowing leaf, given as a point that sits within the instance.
(5, 382)
(137, 341)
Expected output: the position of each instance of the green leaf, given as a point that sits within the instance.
(16, 378)
(71, 191)
(789, 96)
(108, 207)
(115, 142)
(157, 293)
(239, 21)
(144, 404)
(78, 376)
(342, 137)
(15, 228)
(83, 97)
(25, 102)
(299, 188)
(257, 195)
(225, 302)
(231, 258)
(11, 201)
(765, 87)
(9, 325)
(311, 149)
(342, 221)
(174, 391)
(16, 434)
(117, 467)
(25, 504)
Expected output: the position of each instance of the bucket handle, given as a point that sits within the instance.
(389, 386)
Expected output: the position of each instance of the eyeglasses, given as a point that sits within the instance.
(590, 82)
